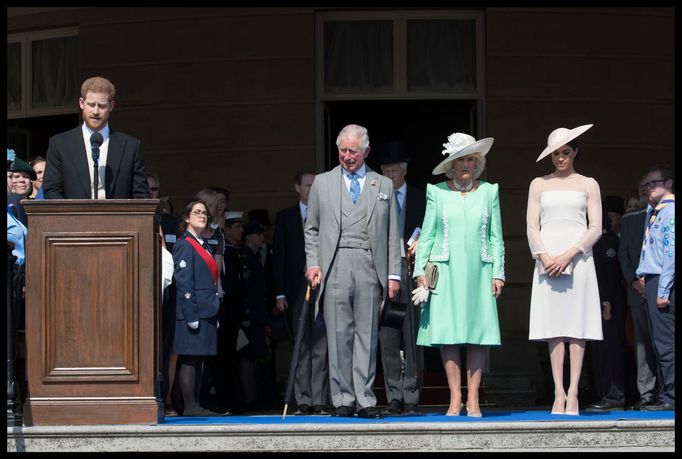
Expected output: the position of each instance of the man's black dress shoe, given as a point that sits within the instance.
(371, 412)
(642, 402)
(199, 412)
(411, 409)
(344, 411)
(603, 405)
(320, 410)
(395, 408)
(660, 406)
(302, 410)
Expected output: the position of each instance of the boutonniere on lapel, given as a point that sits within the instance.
(373, 182)
(382, 197)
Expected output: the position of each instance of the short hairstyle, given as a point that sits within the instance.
(220, 190)
(301, 172)
(666, 172)
(98, 84)
(188, 208)
(209, 197)
(36, 160)
(480, 165)
(357, 131)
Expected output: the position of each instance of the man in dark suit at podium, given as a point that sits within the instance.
(401, 359)
(69, 172)
(311, 385)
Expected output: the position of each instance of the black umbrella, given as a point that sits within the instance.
(296, 351)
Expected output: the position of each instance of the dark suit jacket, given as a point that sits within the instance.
(67, 175)
(289, 254)
(415, 206)
(629, 252)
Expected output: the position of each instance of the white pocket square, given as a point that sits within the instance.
(382, 196)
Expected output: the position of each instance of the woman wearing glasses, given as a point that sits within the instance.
(197, 305)
(564, 220)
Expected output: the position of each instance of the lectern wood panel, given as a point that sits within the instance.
(91, 304)
(92, 312)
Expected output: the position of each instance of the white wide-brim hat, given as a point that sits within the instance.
(561, 136)
(460, 145)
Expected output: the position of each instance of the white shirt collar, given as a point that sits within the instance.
(87, 133)
(403, 190)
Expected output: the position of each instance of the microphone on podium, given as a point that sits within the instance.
(96, 140)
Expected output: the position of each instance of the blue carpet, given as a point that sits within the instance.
(488, 416)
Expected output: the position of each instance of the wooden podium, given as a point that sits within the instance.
(93, 295)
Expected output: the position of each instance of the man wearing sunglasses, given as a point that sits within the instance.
(656, 271)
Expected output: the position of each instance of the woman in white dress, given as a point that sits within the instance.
(563, 222)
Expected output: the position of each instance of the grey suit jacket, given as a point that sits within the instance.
(630, 249)
(323, 225)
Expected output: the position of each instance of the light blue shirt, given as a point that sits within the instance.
(362, 173)
(16, 234)
(303, 209)
(658, 256)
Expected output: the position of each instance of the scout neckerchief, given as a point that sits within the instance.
(664, 202)
(203, 253)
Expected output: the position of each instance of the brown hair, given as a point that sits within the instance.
(188, 208)
(98, 84)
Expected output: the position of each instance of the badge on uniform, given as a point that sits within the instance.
(188, 295)
(182, 263)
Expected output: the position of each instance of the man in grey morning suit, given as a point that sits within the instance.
(353, 252)
(629, 250)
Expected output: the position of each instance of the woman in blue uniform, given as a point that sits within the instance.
(197, 304)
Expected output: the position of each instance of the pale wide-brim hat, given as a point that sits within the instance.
(459, 145)
(561, 136)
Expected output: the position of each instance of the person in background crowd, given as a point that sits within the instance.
(70, 165)
(462, 236)
(614, 206)
(255, 358)
(169, 228)
(311, 384)
(401, 359)
(38, 165)
(228, 388)
(629, 252)
(656, 272)
(22, 175)
(563, 219)
(216, 244)
(196, 326)
(634, 201)
(607, 355)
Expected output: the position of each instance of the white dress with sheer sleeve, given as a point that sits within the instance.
(559, 210)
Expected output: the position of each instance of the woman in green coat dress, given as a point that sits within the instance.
(462, 236)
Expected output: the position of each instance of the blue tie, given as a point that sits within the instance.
(397, 200)
(354, 187)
